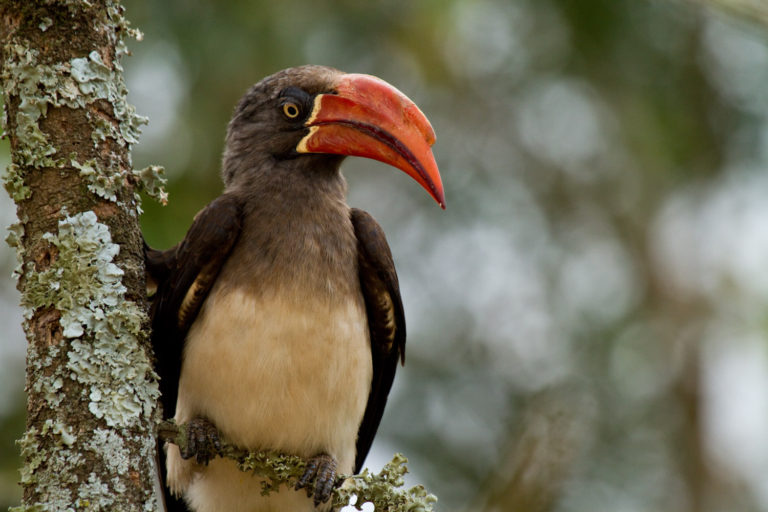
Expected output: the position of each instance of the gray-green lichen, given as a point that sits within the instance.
(113, 450)
(101, 185)
(61, 431)
(104, 184)
(13, 180)
(384, 489)
(94, 487)
(47, 384)
(275, 468)
(64, 438)
(85, 286)
(88, 373)
(14, 240)
(45, 24)
(75, 84)
(28, 508)
(152, 182)
(37, 86)
(56, 496)
(103, 358)
(95, 80)
(72, 84)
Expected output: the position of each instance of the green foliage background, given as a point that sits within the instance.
(587, 320)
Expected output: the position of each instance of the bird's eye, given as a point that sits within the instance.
(291, 110)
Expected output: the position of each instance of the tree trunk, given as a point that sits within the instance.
(91, 389)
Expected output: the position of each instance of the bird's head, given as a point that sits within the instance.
(309, 111)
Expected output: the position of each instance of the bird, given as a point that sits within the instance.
(277, 322)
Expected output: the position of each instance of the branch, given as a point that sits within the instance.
(383, 489)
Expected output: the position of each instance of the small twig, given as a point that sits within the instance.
(383, 489)
(168, 431)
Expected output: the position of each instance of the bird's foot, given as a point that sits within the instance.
(202, 441)
(319, 478)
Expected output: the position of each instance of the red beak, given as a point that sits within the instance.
(368, 117)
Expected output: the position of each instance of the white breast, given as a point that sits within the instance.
(281, 372)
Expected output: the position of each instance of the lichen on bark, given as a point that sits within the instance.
(104, 352)
(75, 83)
(91, 388)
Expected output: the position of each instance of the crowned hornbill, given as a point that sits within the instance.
(277, 321)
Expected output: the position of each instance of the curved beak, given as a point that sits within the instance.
(368, 117)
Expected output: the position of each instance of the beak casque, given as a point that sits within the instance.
(367, 117)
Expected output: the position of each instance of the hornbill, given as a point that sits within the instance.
(277, 321)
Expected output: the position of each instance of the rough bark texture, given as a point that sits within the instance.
(91, 390)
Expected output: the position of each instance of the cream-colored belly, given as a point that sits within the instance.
(271, 373)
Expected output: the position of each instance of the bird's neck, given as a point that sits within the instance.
(297, 226)
(294, 197)
(304, 179)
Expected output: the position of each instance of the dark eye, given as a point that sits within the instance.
(291, 110)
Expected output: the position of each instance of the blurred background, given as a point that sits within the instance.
(588, 320)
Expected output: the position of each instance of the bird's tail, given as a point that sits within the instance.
(170, 502)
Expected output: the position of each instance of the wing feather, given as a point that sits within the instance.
(184, 275)
(386, 322)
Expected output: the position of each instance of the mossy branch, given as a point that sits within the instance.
(384, 489)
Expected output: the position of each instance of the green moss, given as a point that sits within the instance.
(150, 180)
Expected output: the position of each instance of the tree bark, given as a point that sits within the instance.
(92, 393)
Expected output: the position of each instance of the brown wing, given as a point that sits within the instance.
(386, 322)
(159, 265)
(184, 275)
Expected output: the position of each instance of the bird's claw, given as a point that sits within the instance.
(321, 469)
(202, 441)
